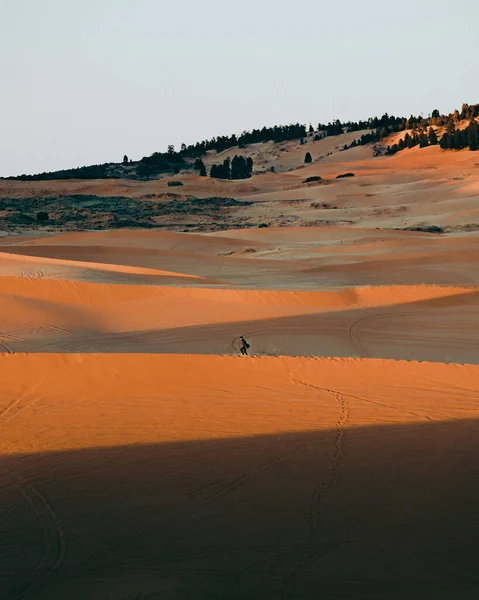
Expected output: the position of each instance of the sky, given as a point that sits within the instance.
(88, 82)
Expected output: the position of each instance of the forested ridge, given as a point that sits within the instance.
(423, 133)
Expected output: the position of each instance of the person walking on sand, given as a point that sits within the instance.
(244, 346)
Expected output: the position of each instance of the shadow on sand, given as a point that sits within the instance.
(374, 512)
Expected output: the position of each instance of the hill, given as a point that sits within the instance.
(173, 161)
(423, 188)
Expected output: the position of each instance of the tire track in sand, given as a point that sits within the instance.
(53, 539)
(167, 528)
(354, 332)
(49, 327)
(311, 543)
(19, 404)
(5, 337)
(5, 347)
(31, 273)
(53, 545)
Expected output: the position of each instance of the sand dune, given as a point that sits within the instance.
(34, 267)
(48, 315)
(275, 258)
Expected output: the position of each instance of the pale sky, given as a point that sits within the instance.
(85, 82)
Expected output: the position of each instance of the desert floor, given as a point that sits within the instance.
(143, 458)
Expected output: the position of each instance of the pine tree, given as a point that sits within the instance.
(382, 133)
(125, 160)
(222, 171)
(423, 140)
(473, 136)
(241, 168)
(445, 142)
(450, 126)
(308, 158)
(432, 137)
(226, 169)
(238, 167)
(458, 142)
(249, 166)
(200, 167)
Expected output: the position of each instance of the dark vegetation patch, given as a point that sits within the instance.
(466, 227)
(16, 217)
(345, 175)
(293, 202)
(43, 216)
(426, 228)
(174, 183)
(78, 212)
(313, 178)
(238, 168)
(325, 223)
